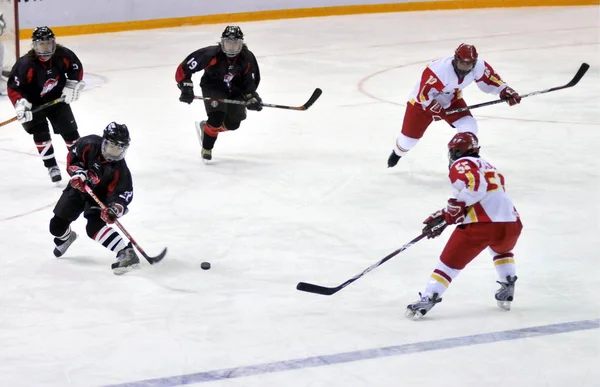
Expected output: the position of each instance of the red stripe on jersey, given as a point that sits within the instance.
(180, 75)
(14, 95)
(480, 213)
(29, 75)
(429, 81)
(248, 68)
(113, 183)
(490, 77)
(212, 62)
(442, 274)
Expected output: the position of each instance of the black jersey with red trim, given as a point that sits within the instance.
(236, 76)
(40, 82)
(110, 180)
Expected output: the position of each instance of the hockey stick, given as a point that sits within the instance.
(580, 73)
(151, 260)
(37, 109)
(313, 98)
(311, 288)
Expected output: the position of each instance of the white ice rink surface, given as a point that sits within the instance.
(306, 196)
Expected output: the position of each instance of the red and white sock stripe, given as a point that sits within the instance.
(45, 149)
(110, 239)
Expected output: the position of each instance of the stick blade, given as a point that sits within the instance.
(157, 259)
(313, 98)
(580, 73)
(316, 289)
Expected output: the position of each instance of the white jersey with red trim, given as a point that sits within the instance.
(481, 186)
(440, 82)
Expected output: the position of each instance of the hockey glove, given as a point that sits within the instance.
(23, 110)
(72, 90)
(434, 224)
(454, 212)
(78, 178)
(253, 100)
(436, 111)
(393, 159)
(2, 24)
(112, 212)
(187, 91)
(510, 96)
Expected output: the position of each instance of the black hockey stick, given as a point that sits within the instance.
(313, 98)
(580, 73)
(311, 288)
(151, 260)
(37, 109)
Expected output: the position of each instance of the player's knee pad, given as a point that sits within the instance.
(71, 136)
(58, 226)
(41, 136)
(93, 226)
(215, 119)
(229, 125)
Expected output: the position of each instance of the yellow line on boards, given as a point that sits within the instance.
(301, 13)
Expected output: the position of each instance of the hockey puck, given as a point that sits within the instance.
(205, 265)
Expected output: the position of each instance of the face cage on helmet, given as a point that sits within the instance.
(112, 151)
(462, 67)
(44, 48)
(231, 47)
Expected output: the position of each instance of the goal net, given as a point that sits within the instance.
(9, 39)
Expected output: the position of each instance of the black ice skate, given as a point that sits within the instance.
(505, 295)
(422, 306)
(54, 173)
(127, 260)
(393, 159)
(62, 246)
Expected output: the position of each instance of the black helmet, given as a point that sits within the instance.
(232, 41)
(43, 42)
(115, 141)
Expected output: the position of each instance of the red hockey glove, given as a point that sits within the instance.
(112, 212)
(510, 96)
(434, 224)
(454, 212)
(436, 111)
(78, 178)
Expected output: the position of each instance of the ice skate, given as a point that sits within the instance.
(62, 246)
(127, 260)
(505, 295)
(206, 154)
(420, 308)
(54, 173)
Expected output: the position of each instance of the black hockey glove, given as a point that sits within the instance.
(187, 91)
(253, 100)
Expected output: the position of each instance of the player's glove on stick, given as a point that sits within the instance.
(111, 212)
(72, 90)
(431, 222)
(510, 96)
(187, 91)
(23, 110)
(254, 101)
(454, 212)
(436, 111)
(78, 178)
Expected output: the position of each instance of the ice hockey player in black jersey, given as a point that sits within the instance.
(47, 72)
(230, 72)
(98, 162)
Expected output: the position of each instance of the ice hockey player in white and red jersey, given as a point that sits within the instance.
(440, 89)
(486, 218)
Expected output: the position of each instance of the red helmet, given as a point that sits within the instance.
(466, 53)
(463, 144)
(465, 58)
